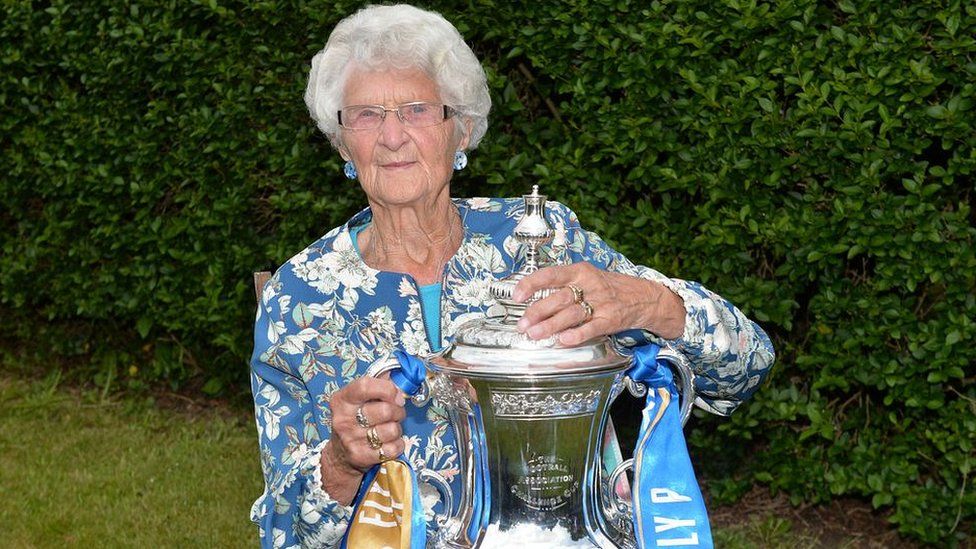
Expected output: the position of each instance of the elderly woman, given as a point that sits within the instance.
(402, 98)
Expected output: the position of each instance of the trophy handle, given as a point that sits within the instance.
(618, 511)
(679, 363)
(435, 479)
(465, 525)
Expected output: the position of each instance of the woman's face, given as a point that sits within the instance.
(399, 165)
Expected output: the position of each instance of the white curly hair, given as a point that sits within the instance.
(399, 37)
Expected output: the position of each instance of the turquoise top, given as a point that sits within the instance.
(430, 306)
(430, 299)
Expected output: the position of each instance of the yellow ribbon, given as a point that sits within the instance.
(382, 520)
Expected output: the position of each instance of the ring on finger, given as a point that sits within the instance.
(577, 293)
(361, 418)
(587, 312)
(373, 439)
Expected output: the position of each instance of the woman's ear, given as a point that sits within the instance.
(343, 152)
(468, 125)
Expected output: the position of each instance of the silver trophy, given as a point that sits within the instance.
(530, 418)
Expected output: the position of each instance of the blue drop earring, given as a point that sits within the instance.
(460, 160)
(350, 170)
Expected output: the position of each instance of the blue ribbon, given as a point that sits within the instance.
(408, 378)
(668, 507)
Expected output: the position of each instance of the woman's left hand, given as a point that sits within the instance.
(603, 303)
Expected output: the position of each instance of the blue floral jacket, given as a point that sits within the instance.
(325, 317)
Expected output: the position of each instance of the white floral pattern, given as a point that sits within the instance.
(325, 317)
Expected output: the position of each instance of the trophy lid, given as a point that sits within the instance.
(493, 346)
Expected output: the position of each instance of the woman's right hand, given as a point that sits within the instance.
(349, 452)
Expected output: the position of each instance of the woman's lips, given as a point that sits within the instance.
(396, 165)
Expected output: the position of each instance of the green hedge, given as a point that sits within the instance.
(813, 163)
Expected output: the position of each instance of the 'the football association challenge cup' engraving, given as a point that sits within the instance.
(547, 484)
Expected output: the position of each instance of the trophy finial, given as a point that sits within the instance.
(533, 229)
(532, 232)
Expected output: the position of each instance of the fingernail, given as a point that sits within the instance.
(517, 296)
(400, 399)
(522, 325)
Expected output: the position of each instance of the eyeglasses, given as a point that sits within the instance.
(419, 114)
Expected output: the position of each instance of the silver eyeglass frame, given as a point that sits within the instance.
(449, 112)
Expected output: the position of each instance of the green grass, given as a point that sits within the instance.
(764, 532)
(82, 471)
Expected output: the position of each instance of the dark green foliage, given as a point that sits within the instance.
(813, 162)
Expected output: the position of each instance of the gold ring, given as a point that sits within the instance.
(361, 418)
(577, 293)
(373, 439)
(587, 311)
(383, 456)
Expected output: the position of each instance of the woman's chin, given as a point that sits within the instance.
(399, 193)
(403, 188)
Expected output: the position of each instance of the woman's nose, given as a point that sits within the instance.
(392, 133)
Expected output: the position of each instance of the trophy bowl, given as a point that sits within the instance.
(537, 414)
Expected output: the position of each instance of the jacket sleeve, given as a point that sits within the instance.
(294, 510)
(731, 355)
